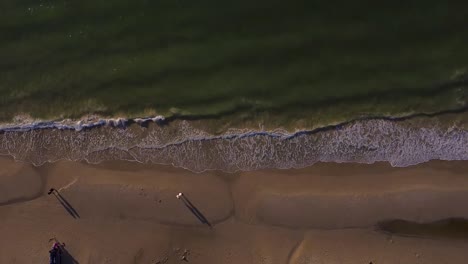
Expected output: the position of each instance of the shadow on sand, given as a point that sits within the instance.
(65, 256)
(64, 203)
(450, 228)
(194, 210)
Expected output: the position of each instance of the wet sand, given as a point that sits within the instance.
(124, 212)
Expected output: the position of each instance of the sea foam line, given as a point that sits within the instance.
(69, 124)
(363, 140)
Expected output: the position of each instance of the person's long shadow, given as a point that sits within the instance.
(195, 211)
(65, 203)
(67, 258)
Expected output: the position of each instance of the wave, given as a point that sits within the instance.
(399, 141)
(27, 124)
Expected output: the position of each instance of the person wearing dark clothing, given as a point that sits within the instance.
(55, 254)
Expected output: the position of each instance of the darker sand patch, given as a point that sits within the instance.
(359, 210)
(19, 182)
(451, 228)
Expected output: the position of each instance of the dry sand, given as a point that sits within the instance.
(128, 213)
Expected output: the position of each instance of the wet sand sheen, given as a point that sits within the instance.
(129, 213)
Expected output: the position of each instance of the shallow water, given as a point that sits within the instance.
(401, 142)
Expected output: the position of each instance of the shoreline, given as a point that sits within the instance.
(133, 206)
(188, 144)
(23, 123)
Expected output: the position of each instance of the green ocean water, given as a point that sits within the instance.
(282, 63)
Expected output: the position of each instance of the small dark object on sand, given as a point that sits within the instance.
(51, 191)
(184, 255)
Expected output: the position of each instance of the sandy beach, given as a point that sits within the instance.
(122, 212)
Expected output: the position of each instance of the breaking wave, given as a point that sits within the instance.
(27, 124)
(179, 143)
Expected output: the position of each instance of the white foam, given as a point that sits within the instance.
(182, 145)
(27, 124)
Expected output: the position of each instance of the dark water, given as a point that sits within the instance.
(273, 62)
